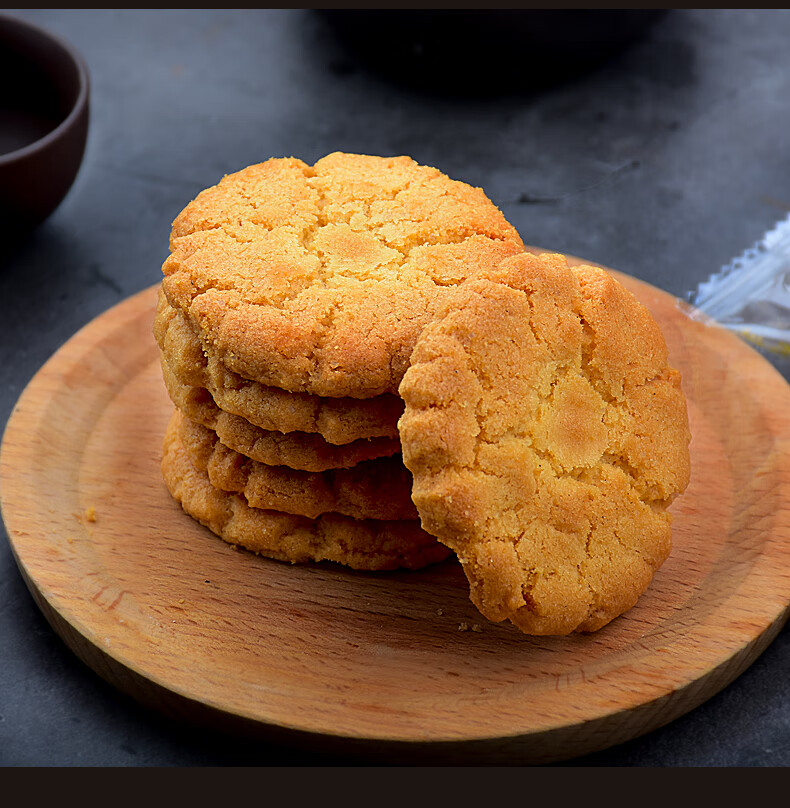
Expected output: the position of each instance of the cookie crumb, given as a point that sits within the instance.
(463, 627)
(90, 514)
(477, 627)
(440, 612)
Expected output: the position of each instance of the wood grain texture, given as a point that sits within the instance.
(396, 665)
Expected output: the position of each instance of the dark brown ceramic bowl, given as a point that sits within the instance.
(43, 122)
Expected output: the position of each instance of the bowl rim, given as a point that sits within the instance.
(80, 103)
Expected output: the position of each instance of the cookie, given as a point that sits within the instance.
(319, 279)
(306, 451)
(373, 489)
(362, 544)
(547, 436)
(337, 420)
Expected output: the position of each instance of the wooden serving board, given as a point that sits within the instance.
(398, 666)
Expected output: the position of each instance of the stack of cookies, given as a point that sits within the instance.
(291, 301)
(367, 367)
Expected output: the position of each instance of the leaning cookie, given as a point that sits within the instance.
(547, 436)
(362, 544)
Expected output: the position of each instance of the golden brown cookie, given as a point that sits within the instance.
(307, 451)
(373, 489)
(363, 544)
(338, 420)
(547, 435)
(318, 279)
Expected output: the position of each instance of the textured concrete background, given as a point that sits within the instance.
(665, 162)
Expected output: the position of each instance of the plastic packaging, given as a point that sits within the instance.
(751, 295)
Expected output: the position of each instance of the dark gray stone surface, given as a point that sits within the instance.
(665, 162)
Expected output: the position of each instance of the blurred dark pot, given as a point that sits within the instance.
(44, 100)
(462, 52)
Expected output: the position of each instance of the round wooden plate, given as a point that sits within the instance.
(390, 664)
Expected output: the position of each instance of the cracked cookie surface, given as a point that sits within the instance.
(363, 544)
(547, 436)
(373, 489)
(318, 279)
